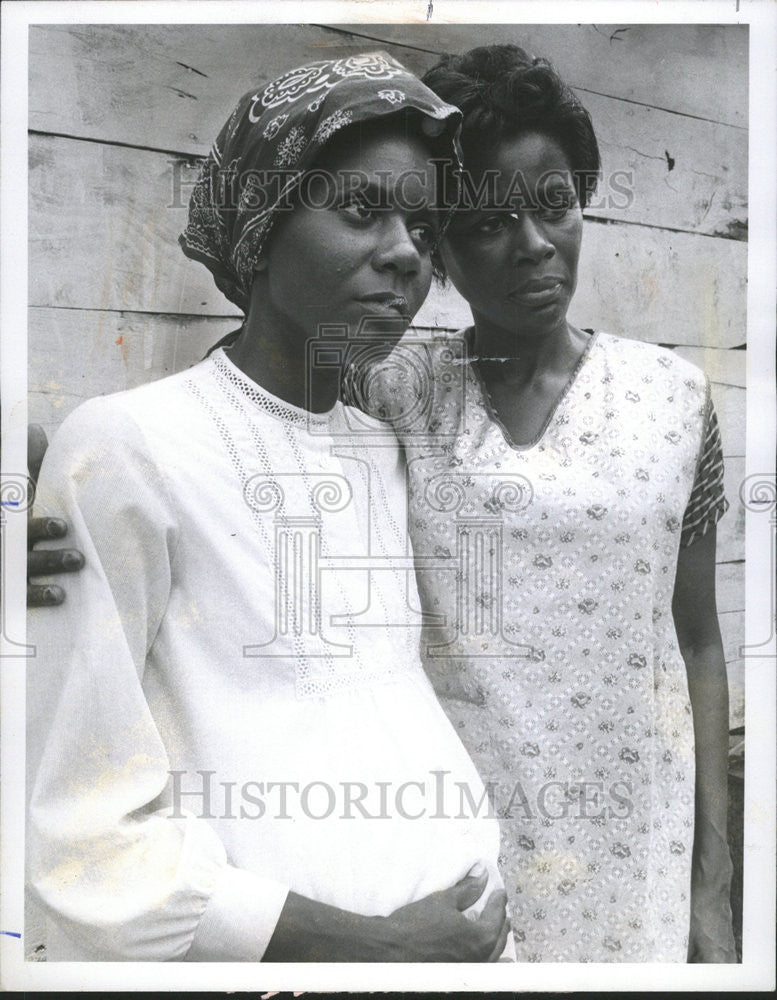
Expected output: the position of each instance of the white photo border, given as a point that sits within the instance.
(757, 969)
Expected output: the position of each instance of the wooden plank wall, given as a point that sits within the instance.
(119, 116)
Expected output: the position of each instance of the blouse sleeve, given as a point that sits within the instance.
(120, 878)
(707, 503)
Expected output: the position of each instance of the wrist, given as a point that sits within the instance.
(381, 939)
(395, 940)
(310, 931)
(712, 866)
(710, 835)
(366, 939)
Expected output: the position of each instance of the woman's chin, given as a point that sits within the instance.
(385, 327)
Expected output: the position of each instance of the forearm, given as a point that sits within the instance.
(711, 933)
(708, 689)
(309, 931)
(432, 929)
(695, 614)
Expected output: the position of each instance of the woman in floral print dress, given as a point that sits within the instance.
(564, 491)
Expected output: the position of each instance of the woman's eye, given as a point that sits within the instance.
(357, 209)
(557, 205)
(490, 225)
(423, 235)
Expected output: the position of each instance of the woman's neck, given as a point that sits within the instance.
(281, 366)
(524, 357)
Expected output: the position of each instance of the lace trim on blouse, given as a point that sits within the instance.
(265, 400)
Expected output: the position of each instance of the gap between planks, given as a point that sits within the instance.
(585, 90)
(193, 158)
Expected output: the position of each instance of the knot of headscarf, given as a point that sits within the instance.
(272, 138)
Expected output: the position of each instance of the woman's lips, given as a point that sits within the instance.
(386, 302)
(542, 292)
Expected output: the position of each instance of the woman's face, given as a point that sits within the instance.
(350, 260)
(513, 255)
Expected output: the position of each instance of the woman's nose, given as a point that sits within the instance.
(396, 249)
(529, 237)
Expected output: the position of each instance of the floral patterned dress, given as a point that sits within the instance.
(552, 568)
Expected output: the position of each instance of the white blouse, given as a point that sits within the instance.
(230, 704)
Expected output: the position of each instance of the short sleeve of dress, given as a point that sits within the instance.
(707, 503)
(386, 390)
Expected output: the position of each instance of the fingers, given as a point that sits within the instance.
(499, 947)
(495, 908)
(39, 528)
(469, 889)
(36, 449)
(43, 562)
(494, 924)
(44, 596)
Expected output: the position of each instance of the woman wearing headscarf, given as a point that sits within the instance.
(564, 490)
(243, 758)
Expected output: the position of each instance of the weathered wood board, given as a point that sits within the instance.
(662, 287)
(732, 628)
(731, 527)
(659, 168)
(663, 169)
(725, 367)
(104, 223)
(122, 254)
(710, 60)
(729, 403)
(170, 84)
(75, 354)
(730, 586)
(167, 87)
(443, 309)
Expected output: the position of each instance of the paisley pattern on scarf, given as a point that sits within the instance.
(272, 138)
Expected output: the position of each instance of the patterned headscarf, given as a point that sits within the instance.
(274, 135)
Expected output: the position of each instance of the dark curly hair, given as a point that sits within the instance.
(504, 92)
